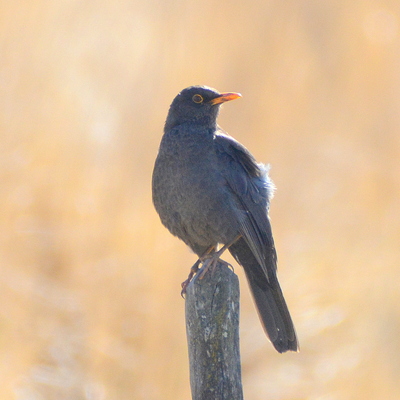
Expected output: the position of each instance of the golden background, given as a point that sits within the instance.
(90, 304)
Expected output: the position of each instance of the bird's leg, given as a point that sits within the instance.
(195, 268)
(210, 260)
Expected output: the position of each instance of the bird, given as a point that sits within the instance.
(209, 190)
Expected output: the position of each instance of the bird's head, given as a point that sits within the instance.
(197, 104)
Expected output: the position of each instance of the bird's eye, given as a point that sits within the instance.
(197, 98)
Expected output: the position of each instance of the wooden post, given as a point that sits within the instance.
(212, 327)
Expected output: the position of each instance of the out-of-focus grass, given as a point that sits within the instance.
(90, 280)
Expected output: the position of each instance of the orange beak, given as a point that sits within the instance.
(223, 97)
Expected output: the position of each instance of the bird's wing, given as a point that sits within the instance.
(249, 182)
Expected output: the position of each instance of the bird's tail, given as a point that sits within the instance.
(269, 300)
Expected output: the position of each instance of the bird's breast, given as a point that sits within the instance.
(191, 196)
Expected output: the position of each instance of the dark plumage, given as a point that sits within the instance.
(208, 190)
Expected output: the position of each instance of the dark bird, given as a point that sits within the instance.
(209, 190)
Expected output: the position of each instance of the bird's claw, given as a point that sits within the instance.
(192, 272)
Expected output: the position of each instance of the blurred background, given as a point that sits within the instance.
(90, 304)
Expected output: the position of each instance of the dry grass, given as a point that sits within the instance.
(89, 279)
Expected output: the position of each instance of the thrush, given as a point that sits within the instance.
(209, 190)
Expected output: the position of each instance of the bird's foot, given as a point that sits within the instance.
(209, 260)
(210, 263)
(195, 268)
